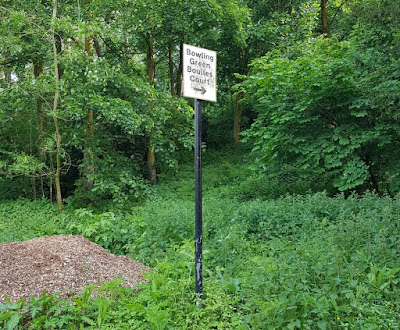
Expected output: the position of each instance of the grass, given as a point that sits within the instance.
(295, 262)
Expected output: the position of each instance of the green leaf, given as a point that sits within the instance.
(321, 325)
(13, 322)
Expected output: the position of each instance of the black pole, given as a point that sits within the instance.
(198, 207)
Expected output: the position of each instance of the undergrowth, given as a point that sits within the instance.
(306, 261)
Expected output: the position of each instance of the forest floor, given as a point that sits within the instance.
(61, 263)
(272, 260)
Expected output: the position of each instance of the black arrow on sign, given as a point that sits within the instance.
(202, 90)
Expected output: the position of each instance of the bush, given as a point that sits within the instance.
(299, 261)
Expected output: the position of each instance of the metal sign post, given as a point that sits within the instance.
(199, 204)
(199, 82)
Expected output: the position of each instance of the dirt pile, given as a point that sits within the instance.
(62, 263)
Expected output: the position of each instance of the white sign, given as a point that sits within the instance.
(199, 73)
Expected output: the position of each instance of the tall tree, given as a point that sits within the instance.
(55, 107)
(326, 29)
(151, 157)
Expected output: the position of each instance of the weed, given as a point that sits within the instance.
(306, 261)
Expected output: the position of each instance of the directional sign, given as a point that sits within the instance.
(199, 73)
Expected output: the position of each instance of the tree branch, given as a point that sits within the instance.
(337, 11)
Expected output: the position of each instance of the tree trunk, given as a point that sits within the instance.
(51, 178)
(89, 46)
(237, 118)
(150, 59)
(41, 121)
(151, 157)
(97, 46)
(326, 30)
(88, 155)
(180, 73)
(58, 166)
(42, 187)
(151, 161)
(171, 68)
(33, 178)
(37, 71)
(7, 76)
(373, 178)
(55, 105)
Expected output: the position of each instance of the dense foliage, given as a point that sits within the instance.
(302, 150)
(320, 99)
(328, 105)
(293, 262)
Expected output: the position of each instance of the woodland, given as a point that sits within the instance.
(301, 158)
